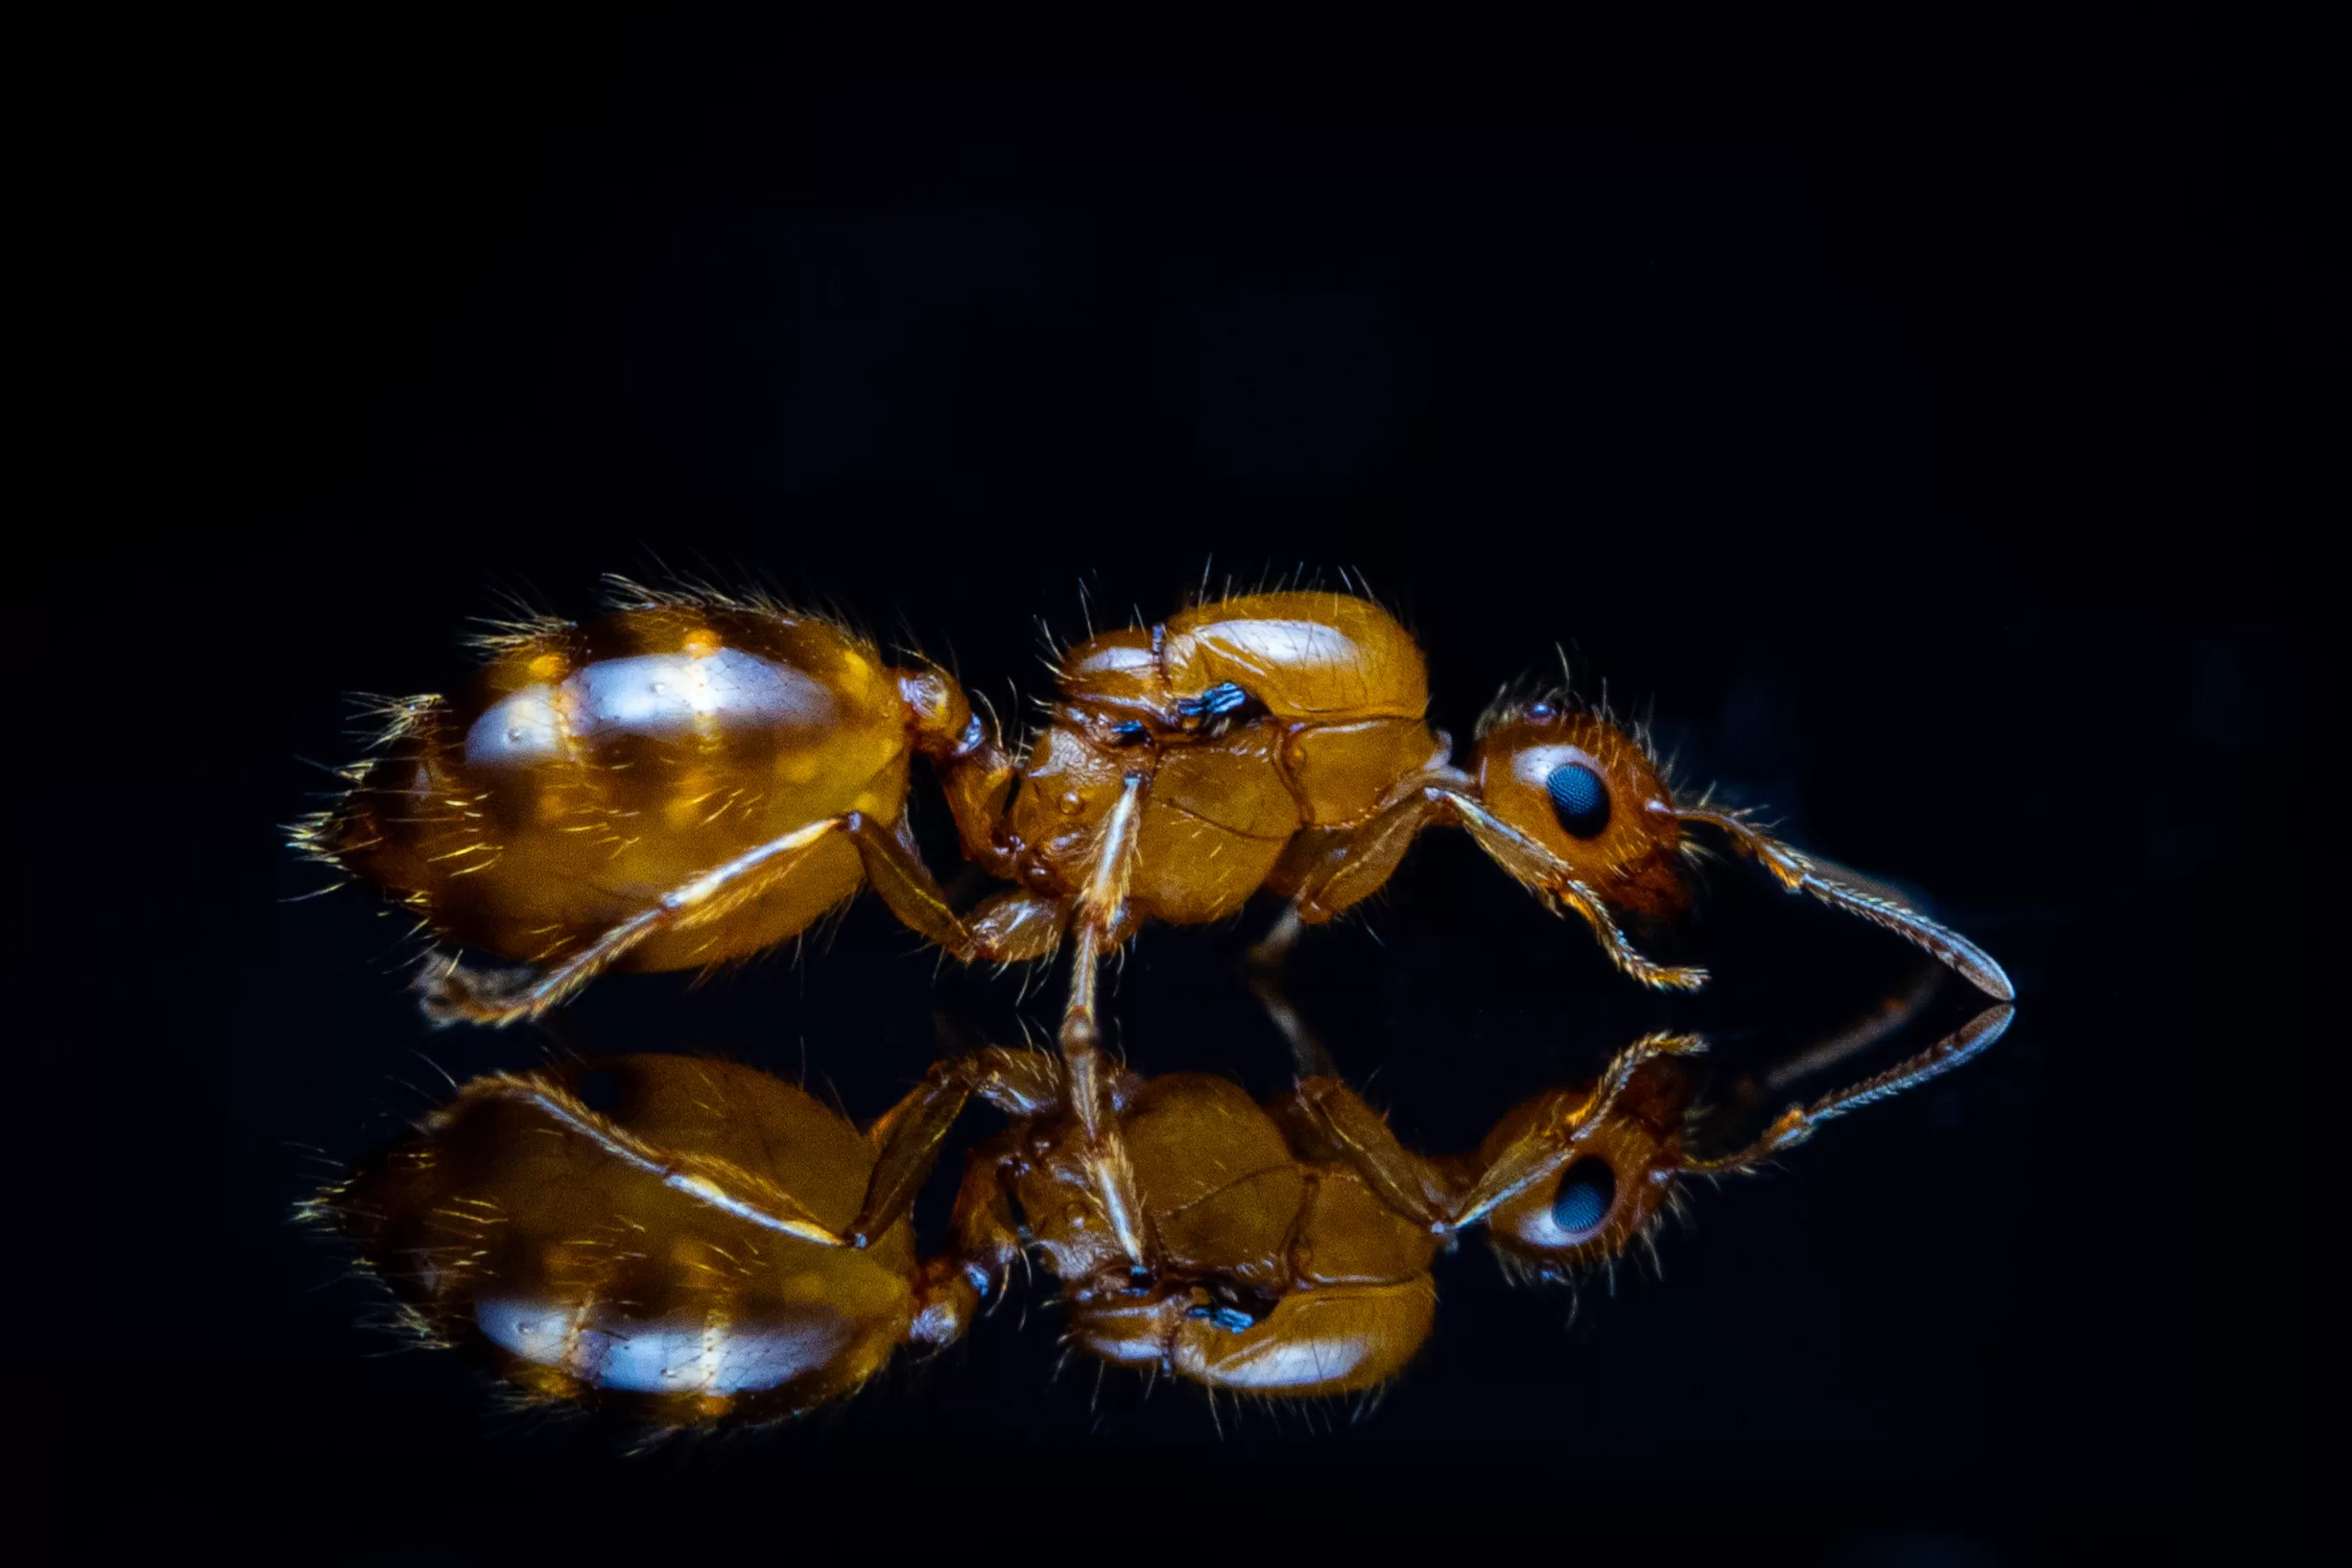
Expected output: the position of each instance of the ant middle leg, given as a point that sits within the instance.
(1101, 923)
(1262, 968)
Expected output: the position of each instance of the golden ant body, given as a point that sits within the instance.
(686, 782)
(712, 1242)
(694, 778)
(639, 1230)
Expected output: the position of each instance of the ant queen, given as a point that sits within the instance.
(695, 777)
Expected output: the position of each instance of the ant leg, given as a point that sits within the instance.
(1262, 970)
(453, 993)
(975, 772)
(1102, 915)
(1362, 861)
(705, 1178)
(1538, 868)
(1798, 872)
(1409, 1184)
(1795, 1125)
(1017, 927)
(984, 1241)
(907, 1139)
(907, 886)
(1549, 1144)
(1358, 861)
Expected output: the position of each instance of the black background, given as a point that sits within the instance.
(1910, 437)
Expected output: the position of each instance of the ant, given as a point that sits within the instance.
(1292, 1242)
(685, 1240)
(696, 778)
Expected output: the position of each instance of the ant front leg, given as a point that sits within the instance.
(1552, 1140)
(1418, 1190)
(1360, 1136)
(1350, 865)
(1101, 923)
(453, 993)
(1357, 863)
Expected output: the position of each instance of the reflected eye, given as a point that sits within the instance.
(1580, 800)
(1587, 1190)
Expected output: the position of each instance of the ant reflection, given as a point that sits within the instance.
(700, 1242)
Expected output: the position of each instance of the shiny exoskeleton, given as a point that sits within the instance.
(687, 781)
(703, 1242)
(1266, 1272)
(1575, 1175)
(658, 1232)
(696, 778)
(1581, 814)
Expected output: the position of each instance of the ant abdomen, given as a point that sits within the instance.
(593, 770)
(609, 1232)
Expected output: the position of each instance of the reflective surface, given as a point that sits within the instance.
(620, 1250)
(1862, 444)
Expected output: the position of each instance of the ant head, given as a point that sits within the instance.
(1611, 1187)
(1578, 810)
(1590, 794)
(1226, 1332)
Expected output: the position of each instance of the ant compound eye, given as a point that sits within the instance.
(1580, 800)
(1587, 1190)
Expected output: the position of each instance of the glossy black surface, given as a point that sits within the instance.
(1851, 443)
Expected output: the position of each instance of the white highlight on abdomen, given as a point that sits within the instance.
(671, 1355)
(650, 694)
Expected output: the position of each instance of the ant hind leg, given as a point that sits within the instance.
(456, 995)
